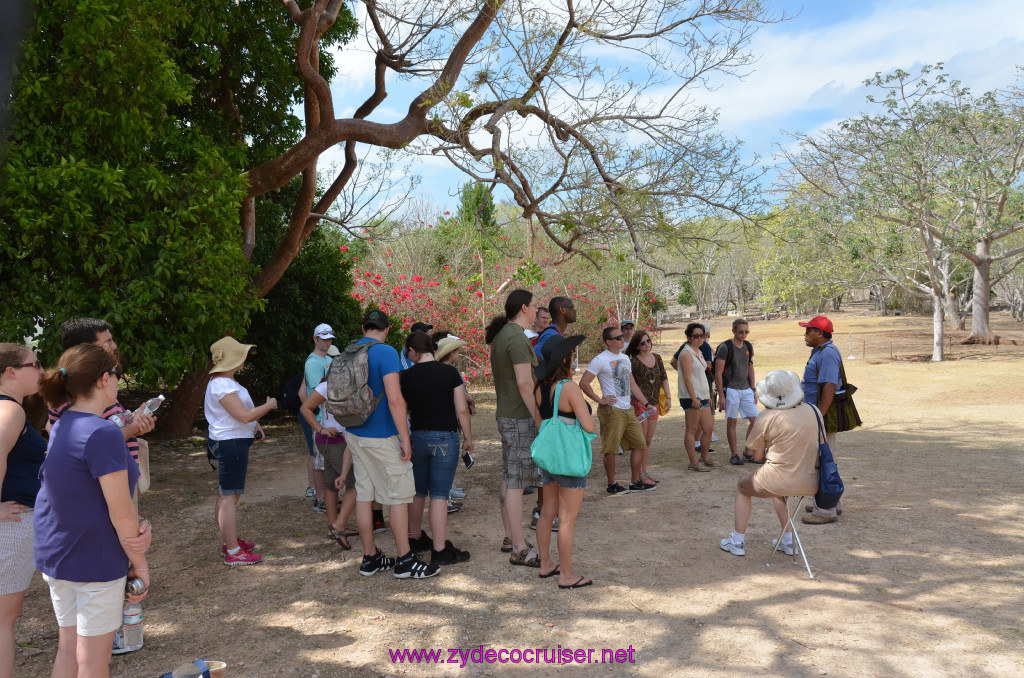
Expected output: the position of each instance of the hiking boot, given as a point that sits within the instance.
(449, 555)
(243, 557)
(737, 460)
(421, 543)
(319, 507)
(784, 547)
(735, 549)
(411, 567)
(615, 488)
(378, 562)
(639, 486)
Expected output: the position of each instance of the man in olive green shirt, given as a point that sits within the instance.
(512, 362)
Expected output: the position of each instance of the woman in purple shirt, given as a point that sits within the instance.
(86, 527)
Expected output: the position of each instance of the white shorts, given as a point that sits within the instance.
(740, 403)
(16, 561)
(93, 607)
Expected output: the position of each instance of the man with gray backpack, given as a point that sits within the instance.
(365, 396)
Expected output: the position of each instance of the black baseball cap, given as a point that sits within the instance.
(420, 327)
(376, 318)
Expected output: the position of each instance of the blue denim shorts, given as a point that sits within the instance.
(568, 482)
(435, 456)
(232, 463)
(685, 403)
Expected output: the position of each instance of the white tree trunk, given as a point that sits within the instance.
(938, 329)
(980, 331)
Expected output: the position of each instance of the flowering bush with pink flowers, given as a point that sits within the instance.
(444, 274)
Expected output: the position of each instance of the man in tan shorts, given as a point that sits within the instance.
(619, 427)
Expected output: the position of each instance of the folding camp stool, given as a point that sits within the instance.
(798, 547)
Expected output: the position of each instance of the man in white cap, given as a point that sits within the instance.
(315, 369)
(785, 439)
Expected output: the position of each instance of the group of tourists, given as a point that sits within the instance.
(69, 506)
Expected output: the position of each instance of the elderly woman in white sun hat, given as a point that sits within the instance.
(785, 438)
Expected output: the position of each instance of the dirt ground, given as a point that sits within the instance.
(923, 575)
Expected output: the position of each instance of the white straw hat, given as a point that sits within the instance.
(780, 390)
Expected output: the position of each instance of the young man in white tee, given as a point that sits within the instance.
(619, 427)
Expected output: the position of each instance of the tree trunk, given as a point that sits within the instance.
(981, 333)
(185, 401)
(938, 330)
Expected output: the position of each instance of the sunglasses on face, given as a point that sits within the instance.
(36, 364)
(742, 331)
(618, 338)
(697, 336)
(645, 342)
(808, 330)
(117, 372)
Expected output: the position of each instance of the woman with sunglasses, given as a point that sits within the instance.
(22, 451)
(86, 523)
(650, 375)
(695, 398)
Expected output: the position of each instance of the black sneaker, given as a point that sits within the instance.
(449, 556)
(454, 506)
(615, 488)
(411, 567)
(737, 460)
(378, 562)
(424, 543)
(639, 486)
(319, 507)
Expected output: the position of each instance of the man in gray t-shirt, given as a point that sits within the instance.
(734, 377)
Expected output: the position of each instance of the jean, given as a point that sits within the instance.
(232, 463)
(435, 456)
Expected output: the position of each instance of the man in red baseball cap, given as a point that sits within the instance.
(822, 377)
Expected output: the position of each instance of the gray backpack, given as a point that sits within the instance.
(349, 397)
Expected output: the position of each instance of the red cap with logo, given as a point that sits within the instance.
(820, 322)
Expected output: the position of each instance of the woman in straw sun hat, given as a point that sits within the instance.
(788, 430)
(232, 417)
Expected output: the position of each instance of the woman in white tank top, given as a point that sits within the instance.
(694, 398)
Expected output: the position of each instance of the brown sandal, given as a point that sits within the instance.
(341, 538)
(523, 560)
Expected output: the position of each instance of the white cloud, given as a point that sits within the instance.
(823, 68)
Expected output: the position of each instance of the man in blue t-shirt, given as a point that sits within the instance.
(315, 369)
(382, 458)
(563, 314)
(820, 382)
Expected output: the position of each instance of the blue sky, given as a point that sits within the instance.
(808, 75)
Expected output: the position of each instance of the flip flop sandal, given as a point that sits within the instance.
(341, 539)
(522, 560)
(578, 584)
(506, 545)
(553, 573)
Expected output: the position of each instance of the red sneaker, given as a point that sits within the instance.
(246, 546)
(243, 557)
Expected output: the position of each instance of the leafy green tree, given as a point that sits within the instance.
(110, 206)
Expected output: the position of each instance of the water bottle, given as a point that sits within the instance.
(128, 638)
(643, 417)
(122, 419)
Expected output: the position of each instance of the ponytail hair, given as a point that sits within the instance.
(76, 374)
(513, 304)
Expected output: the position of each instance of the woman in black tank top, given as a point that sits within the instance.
(562, 494)
(22, 451)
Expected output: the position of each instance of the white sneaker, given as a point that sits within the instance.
(714, 438)
(735, 549)
(785, 548)
(457, 493)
